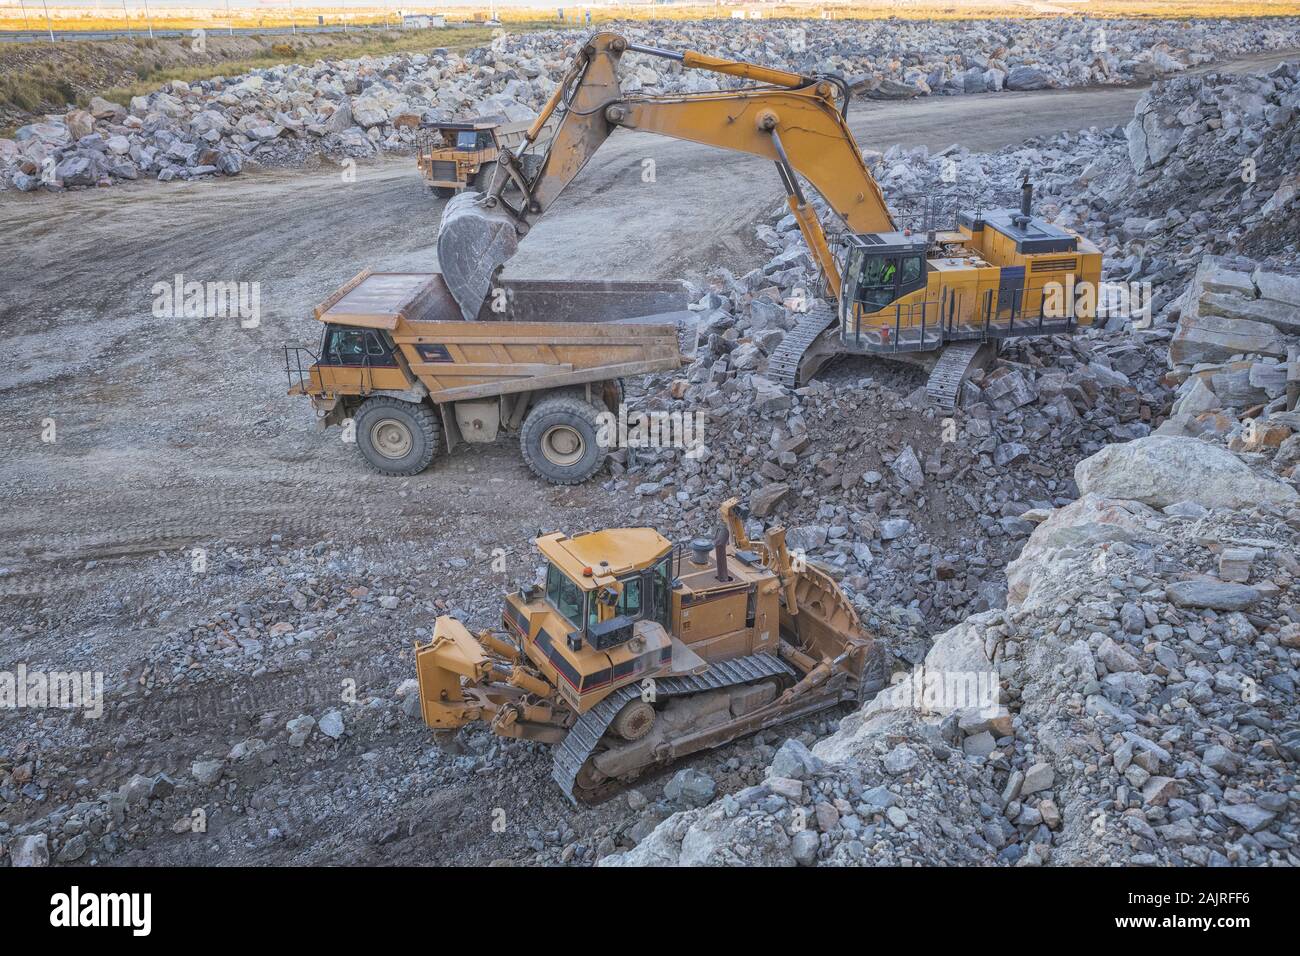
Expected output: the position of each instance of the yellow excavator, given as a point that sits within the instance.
(635, 653)
(948, 295)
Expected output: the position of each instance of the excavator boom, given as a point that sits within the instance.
(795, 121)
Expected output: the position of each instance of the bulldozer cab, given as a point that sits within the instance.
(604, 582)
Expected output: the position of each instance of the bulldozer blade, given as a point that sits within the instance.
(474, 242)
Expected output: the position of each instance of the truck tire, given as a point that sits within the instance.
(612, 394)
(558, 440)
(483, 178)
(396, 437)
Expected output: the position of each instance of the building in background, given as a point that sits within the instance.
(423, 21)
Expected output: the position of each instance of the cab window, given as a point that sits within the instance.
(660, 591)
(466, 139)
(629, 602)
(878, 280)
(345, 346)
(566, 596)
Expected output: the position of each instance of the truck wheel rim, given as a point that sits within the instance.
(563, 445)
(391, 438)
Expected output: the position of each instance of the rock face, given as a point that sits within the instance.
(1239, 323)
(1225, 314)
(1160, 470)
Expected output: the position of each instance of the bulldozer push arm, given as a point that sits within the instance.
(795, 121)
(830, 616)
(495, 687)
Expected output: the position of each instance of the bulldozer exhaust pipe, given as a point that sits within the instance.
(720, 553)
(1026, 201)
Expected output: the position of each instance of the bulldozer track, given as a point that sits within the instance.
(783, 366)
(583, 737)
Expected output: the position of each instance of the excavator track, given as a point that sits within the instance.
(956, 362)
(580, 744)
(783, 366)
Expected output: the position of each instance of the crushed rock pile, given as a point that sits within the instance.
(1144, 710)
(916, 512)
(288, 115)
(1207, 165)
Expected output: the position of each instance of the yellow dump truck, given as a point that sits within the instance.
(404, 371)
(463, 155)
(634, 653)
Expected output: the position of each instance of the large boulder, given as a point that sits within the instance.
(1160, 470)
(1152, 134)
(1027, 78)
(1039, 575)
(30, 851)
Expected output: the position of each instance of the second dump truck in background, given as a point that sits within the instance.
(462, 155)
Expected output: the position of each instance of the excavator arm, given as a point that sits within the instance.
(795, 121)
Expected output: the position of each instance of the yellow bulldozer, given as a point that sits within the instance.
(943, 296)
(634, 653)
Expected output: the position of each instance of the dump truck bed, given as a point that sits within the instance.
(545, 334)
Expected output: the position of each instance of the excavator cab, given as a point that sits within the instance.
(880, 269)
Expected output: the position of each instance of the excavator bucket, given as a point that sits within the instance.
(474, 242)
